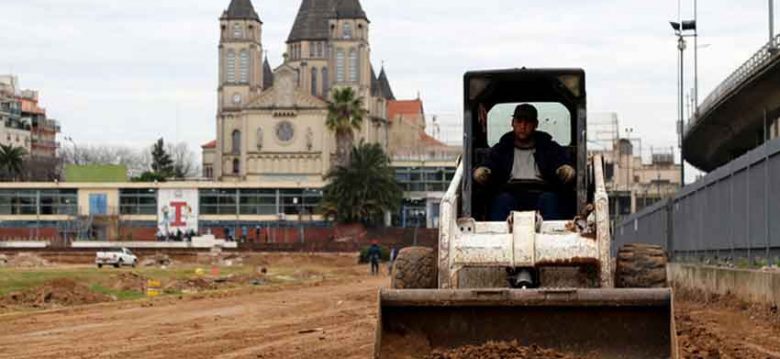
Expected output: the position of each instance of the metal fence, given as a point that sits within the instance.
(730, 215)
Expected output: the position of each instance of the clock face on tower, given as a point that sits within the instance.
(284, 131)
(236, 98)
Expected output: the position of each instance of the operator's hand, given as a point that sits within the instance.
(566, 173)
(482, 175)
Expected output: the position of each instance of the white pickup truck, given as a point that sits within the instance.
(116, 257)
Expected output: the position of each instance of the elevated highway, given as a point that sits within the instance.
(733, 118)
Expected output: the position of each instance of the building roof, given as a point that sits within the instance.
(374, 83)
(210, 144)
(350, 9)
(428, 141)
(241, 9)
(311, 23)
(404, 108)
(384, 86)
(268, 74)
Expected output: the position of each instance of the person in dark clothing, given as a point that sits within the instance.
(525, 154)
(374, 254)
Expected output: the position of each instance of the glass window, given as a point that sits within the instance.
(257, 201)
(236, 142)
(353, 65)
(554, 119)
(138, 201)
(236, 166)
(339, 65)
(237, 31)
(218, 201)
(324, 82)
(314, 81)
(230, 66)
(244, 66)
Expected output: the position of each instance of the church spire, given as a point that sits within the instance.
(240, 9)
(384, 85)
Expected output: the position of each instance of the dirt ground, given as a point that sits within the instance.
(331, 317)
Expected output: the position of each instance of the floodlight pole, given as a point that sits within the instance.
(681, 47)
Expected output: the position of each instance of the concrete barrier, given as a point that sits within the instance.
(200, 243)
(24, 244)
(749, 285)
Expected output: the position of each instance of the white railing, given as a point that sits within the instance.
(758, 61)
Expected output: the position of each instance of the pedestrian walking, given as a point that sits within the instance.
(374, 254)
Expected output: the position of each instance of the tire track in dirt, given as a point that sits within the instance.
(264, 324)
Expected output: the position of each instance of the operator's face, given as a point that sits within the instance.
(523, 129)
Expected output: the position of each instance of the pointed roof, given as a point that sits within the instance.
(241, 9)
(384, 85)
(268, 74)
(374, 84)
(350, 9)
(311, 23)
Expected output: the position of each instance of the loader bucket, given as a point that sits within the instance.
(600, 323)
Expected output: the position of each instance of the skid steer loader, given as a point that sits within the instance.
(540, 282)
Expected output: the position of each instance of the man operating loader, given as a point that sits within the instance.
(527, 156)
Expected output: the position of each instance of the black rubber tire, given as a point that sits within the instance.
(100, 265)
(414, 268)
(641, 266)
(118, 264)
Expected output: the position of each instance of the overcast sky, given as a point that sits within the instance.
(130, 71)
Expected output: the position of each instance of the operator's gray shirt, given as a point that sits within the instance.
(524, 167)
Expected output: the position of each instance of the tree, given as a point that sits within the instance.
(161, 160)
(364, 190)
(184, 161)
(345, 115)
(11, 161)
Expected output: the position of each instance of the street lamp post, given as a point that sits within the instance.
(679, 30)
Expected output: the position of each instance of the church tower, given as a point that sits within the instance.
(329, 46)
(240, 81)
(240, 55)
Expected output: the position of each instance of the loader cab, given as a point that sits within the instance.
(490, 98)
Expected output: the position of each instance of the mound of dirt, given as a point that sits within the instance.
(27, 260)
(157, 260)
(511, 350)
(129, 281)
(191, 284)
(58, 292)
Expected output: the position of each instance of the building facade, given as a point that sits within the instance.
(26, 125)
(271, 123)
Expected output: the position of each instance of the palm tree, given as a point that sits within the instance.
(11, 160)
(364, 190)
(345, 115)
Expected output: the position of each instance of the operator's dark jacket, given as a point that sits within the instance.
(549, 156)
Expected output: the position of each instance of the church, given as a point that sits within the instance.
(271, 122)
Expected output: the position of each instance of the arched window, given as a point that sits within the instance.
(325, 80)
(237, 33)
(236, 166)
(236, 142)
(340, 65)
(347, 30)
(314, 81)
(230, 66)
(259, 138)
(353, 65)
(243, 66)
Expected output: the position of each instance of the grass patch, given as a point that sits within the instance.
(119, 294)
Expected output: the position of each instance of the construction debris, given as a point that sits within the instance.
(157, 260)
(27, 260)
